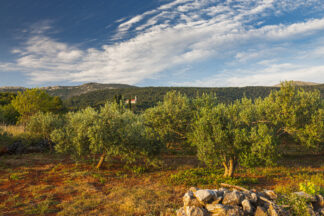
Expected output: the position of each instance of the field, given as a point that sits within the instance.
(47, 184)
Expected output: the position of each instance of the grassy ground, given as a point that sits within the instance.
(49, 184)
(44, 184)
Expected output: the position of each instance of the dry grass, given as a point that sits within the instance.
(14, 130)
(43, 184)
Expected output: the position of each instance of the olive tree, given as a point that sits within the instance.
(120, 132)
(249, 132)
(112, 131)
(73, 137)
(170, 118)
(294, 112)
(227, 135)
(43, 124)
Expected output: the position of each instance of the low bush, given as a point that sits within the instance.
(5, 138)
(43, 124)
(311, 188)
(8, 114)
(297, 205)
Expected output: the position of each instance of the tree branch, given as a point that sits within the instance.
(234, 186)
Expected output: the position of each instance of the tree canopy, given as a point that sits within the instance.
(170, 118)
(31, 101)
(111, 131)
(248, 132)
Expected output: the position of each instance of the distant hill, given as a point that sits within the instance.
(11, 88)
(300, 83)
(150, 96)
(69, 91)
(95, 94)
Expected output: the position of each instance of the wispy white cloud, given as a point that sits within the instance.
(182, 32)
(268, 76)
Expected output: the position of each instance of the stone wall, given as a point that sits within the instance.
(232, 200)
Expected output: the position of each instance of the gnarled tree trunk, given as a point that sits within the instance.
(226, 169)
(230, 166)
(102, 159)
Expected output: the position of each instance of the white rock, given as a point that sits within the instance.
(271, 194)
(254, 198)
(187, 198)
(234, 211)
(190, 200)
(204, 196)
(195, 211)
(306, 196)
(216, 208)
(232, 198)
(247, 207)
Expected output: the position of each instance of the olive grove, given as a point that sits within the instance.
(249, 132)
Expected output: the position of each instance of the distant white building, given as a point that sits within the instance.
(133, 101)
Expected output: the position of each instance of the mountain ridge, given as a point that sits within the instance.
(70, 91)
(300, 83)
(66, 92)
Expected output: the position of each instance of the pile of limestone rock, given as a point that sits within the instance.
(240, 201)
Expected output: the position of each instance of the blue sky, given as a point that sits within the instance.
(211, 43)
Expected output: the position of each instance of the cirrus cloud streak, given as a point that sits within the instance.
(183, 32)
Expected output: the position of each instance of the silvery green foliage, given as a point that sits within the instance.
(43, 124)
(112, 130)
(296, 113)
(120, 132)
(73, 137)
(249, 132)
(171, 118)
(229, 132)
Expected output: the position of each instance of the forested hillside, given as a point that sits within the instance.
(96, 94)
(69, 91)
(150, 96)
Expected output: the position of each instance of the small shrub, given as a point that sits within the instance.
(99, 177)
(308, 187)
(297, 205)
(136, 169)
(14, 177)
(5, 138)
(8, 114)
(284, 189)
(43, 124)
